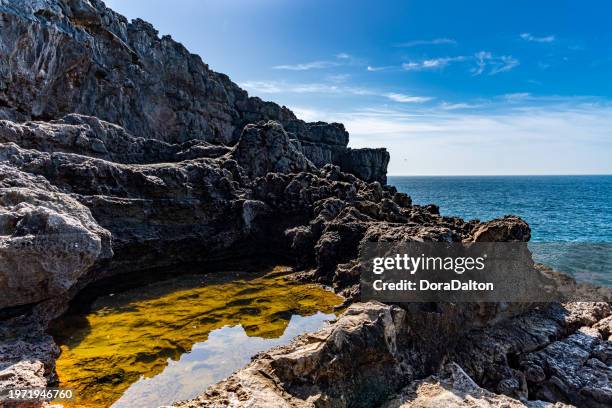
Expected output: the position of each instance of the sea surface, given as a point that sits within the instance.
(570, 216)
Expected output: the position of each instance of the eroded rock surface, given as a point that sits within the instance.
(355, 362)
(120, 151)
(453, 388)
(367, 358)
(48, 240)
(78, 56)
(554, 353)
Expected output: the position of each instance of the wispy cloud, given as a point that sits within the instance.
(277, 87)
(398, 97)
(447, 106)
(531, 38)
(307, 66)
(543, 65)
(371, 68)
(431, 64)
(435, 41)
(341, 59)
(485, 60)
(509, 139)
(504, 64)
(517, 96)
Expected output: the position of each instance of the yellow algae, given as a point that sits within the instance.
(130, 336)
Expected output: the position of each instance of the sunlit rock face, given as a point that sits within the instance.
(81, 57)
(48, 240)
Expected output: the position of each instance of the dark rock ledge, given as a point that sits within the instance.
(121, 152)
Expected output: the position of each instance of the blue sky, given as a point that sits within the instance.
(449, 87)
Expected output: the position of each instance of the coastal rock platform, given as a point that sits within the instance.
(121, 154)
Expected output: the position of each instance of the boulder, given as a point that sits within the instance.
(266, 148)
(48, 240)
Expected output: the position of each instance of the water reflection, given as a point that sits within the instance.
(169, 340)
(208, 362)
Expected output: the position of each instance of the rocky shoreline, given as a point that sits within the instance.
(121, 152)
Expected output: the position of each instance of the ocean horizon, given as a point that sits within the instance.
(570, 216)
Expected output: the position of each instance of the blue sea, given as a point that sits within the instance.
(568, 215)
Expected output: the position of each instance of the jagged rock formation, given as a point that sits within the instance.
(121, 152)
(47, 239)
(367, 358)
(78, 56)
(453, 388)
(558, 353)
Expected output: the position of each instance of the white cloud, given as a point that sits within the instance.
(307, 66)
(504, 64)
(531, 38)
(460, 106)
(431, 64)
(342, 59)
(338, 78)
(495, 64)
(562, 137)
(481, 57)
(376, 69)
(307, 114)
(485, 61)
(278, 87)
(398, 97)
(435, 41)
(268, 87)
(543, 65)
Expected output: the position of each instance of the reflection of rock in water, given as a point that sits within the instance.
(135, 335)
(225, 350)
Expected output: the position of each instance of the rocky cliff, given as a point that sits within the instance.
(78, 56)
(121, 152)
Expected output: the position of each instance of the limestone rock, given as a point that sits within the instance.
(354, 362)
(554, 353)
(265, 148)
(507, 229)
(27, 355)
(48, 240)
(453, 388)
(78, 56)
(86, 135)
(362, 360)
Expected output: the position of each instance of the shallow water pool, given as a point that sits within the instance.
(168, 341)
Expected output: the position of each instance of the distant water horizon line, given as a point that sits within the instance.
(502, 175)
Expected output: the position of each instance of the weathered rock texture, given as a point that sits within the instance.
(47, 239)
(367, 358)
(78, 56)
(554, 353)
(453, 388)
(121, 152)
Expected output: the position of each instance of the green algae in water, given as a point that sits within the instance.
(168, 341)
